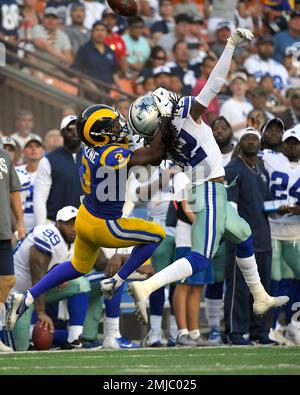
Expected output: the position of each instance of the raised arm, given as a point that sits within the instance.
(218, 76)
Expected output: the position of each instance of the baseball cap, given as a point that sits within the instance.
(183, 18)
(250, 131)
(51, 11)
(161, 70)
(67, 120)
(238, 74)
(290, 50)
(33, 137)
(293, 132)
(222, 24)
(273, 120)
(265, 39)
(6, 140)
(66, 213)
(109, 11)
(77, 5)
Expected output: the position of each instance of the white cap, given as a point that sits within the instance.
(238, 74)
(7, 140)
(161, 70)
(250, 131)
(33, 137)
(293, 132)
(66, 213)
(67, 120)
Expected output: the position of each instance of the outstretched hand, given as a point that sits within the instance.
(238, 37)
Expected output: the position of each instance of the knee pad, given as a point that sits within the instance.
(245, 248)
(198, 262)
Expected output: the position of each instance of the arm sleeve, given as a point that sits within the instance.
(216, 79)
(42, 186)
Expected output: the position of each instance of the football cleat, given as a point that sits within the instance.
(171, 341)
(263, 301)
(293, 332)
(118, 343)
(185, 341)
(4, 348)
(108, 287)
(15, 310)
(214, 338)
(135, 289)
(153, 339)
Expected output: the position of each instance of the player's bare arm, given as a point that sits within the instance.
(218, 76)
(39, 262)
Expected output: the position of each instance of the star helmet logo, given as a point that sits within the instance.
(146, 104)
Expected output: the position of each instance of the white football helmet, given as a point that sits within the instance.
(144, 116)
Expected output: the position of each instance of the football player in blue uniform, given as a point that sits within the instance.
(106, 161)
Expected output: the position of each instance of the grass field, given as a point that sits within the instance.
(176, 361)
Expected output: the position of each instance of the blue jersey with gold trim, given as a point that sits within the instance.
(103, 176)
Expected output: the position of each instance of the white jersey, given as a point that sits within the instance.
(199, 155)
(27, 185)
(259, 68)
(227, 158)
(284, 185)
(46, 238)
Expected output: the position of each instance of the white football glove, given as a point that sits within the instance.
(162, 98)
(239, 36)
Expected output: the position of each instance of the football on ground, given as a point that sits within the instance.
(42, 338)
(123, 7)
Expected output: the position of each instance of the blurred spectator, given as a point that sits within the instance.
(258, 98)
(123, 105)
(144, 84)
(176, 84)
(212, 110)
(274, 96)
(248, 195)
(271, 134)
(50, 41)
(256, 119)
(9, 145)
(291, 116)
(68, 109)
(52, 140)
(158, 57)
(115, 41)
(137, 47)
(96, 59)
(57, 183)
(187, 7)
(162, 77)
(61, 7)
(24, 126)
(262, 63)
(30, 18)
(181, 32)
(291, 63)
(32, 153)
(219, 11)
(166, 23)
(222, 34)
(198, 50)
(77, 33)
(182, 67)
(9, 21)
(9, 199)
(243, 17)
(288, 37)
(236, 109)
(93, 13)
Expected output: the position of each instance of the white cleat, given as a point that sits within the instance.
(135, 289)
(266, 302)
(4, 348)
(14, 311)
(293, 332)
(108, 287)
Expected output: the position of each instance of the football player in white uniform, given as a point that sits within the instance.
(284, 170)
(191, 145)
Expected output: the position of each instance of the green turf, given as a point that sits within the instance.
(225, 360)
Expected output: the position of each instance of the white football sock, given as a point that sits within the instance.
(112, 327)
(213, 312)
(173, 331)
(74, 332)
(2, 315)
(194, 334)
(182, 332)
(155, 323)
(248, 267)
(176, 271)
(28, 299)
